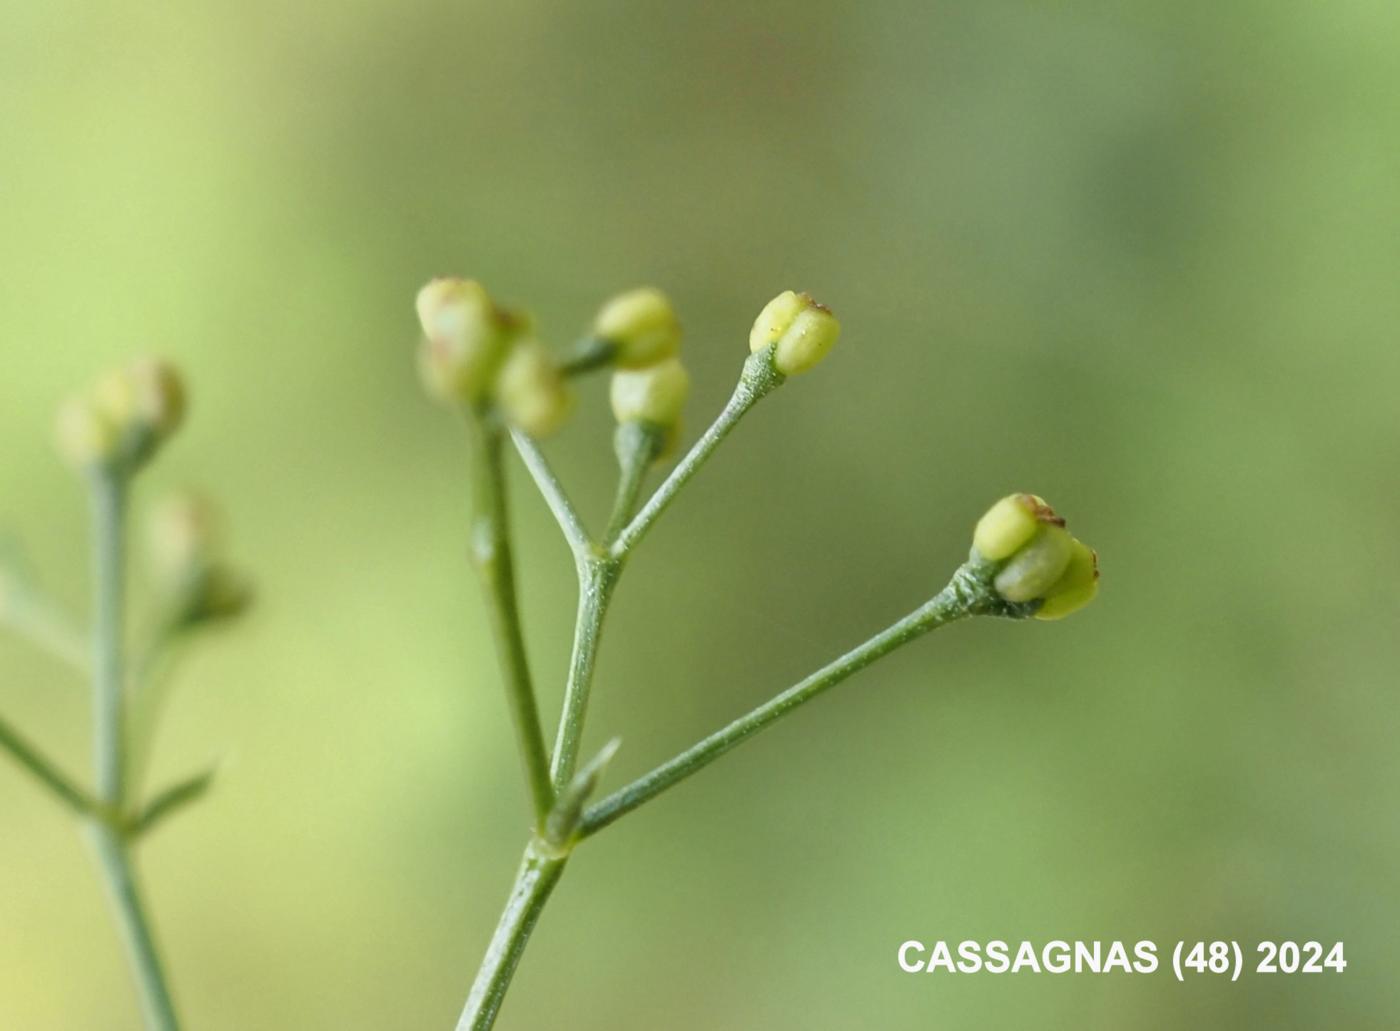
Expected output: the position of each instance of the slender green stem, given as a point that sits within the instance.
(109, 581)
(539, 872)
(638, 444)
(596, 580)
(109, 488)
(966, 594)
(491, 556)
(629, 492)
(114, 859)
(28, 755)
(564, 512)
(585, 355)
(758, 380)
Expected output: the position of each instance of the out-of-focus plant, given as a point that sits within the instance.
(485, 362)
(109, 434)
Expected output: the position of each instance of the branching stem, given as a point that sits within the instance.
(758, 380)
(596, 580)
(28, 755)
(966, 594)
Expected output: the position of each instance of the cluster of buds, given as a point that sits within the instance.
(123, 418)
(477, 354)
(641, 336)
(1034, 559)
(185, 544)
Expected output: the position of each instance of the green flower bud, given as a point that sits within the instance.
(147, 399)
(1035, 568)
(465, 339)
(1032, 556)
(160, 396)
(800, 330)
(83, 434)
(655, 394)
(1010, 523)
(1076, 587)
(125, 416)
(531, 389)
(183, 532)
(185, 543)
(641, 326)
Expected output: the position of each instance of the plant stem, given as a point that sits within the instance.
(629, 491)
(539, 872)
(558, 501)
(596, 580)
(758, 380)
(114, 858)
(109, 489)
(491, 556)
(966, 594)
(109, 580)
(48, 773)
(637, 444)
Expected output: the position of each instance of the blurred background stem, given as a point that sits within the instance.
(112, 847)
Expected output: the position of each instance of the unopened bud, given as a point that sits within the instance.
(800, 330)
(531, 390)
(1076, 587)
(145, 399)
(642, 327)
(159, 396)
(1010, 523)
(465, 339)
(125, 415)
(185, 546)
(1035, 558)
(655, 394)
(1035, 567)
(183, 534)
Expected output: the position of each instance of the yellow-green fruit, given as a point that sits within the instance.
(465, 339)
(1076, 587)
(83, 434)
(531, 390)
(641, 325)
(655, 394)
(800, 330)
(1009, 524)
(1036, 566)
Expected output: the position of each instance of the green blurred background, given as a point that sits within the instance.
(1140, 258)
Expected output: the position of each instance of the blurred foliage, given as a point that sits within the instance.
(1137, 258)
